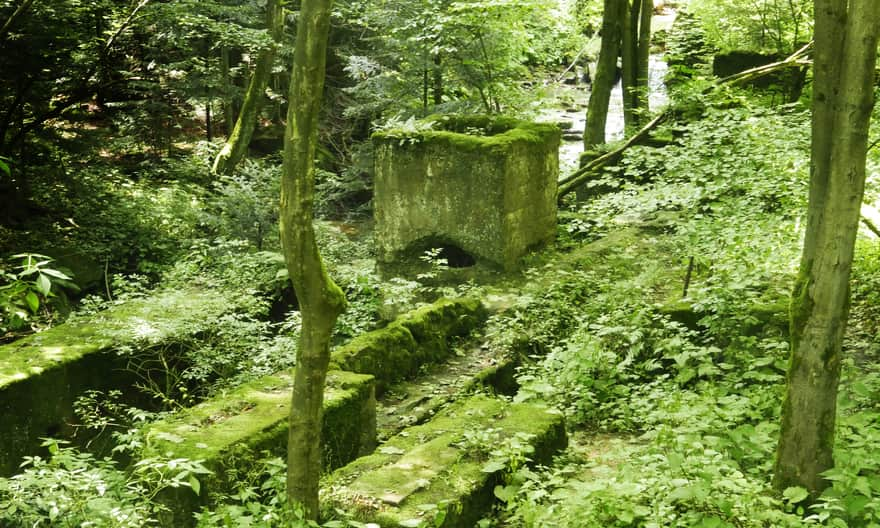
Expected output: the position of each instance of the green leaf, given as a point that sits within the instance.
(410, 523)
(32, 301)
(795, 494)
(5, 167)
(494, 466)
(506, 493)
(194, 484)
(44, 285)
(55, 273)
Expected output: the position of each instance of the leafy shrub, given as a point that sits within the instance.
(75, 489)
(26, 291)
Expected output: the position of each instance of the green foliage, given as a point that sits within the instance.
(764, 25)
(470, 54)
(692, 395)
(687, 52)
(245, 204)
(26, 289)
(76, 489)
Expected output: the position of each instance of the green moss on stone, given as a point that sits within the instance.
(414, 339)
(496, 132)
(43, 374)
(431, 464)
(231, 431)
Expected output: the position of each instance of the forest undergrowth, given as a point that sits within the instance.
(672, 379)
(658, 324)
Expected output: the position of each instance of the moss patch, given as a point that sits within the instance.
(229, 432)
(430, 183)
(432, 464)
(43, 374)
(414, 339)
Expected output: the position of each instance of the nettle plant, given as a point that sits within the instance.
(75, 489)
(27, 287)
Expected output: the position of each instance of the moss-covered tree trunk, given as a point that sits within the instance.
(321, 301)
(606, 73)
(238, 141)
(635, 49)
(846, 45)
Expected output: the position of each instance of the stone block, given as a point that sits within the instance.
(414, 339)
(230, 432)
(42, 375)
(456, 183)
(438, 464)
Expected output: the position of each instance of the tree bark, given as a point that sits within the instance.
(635, 50)
(846, 47)
(643, 57)
(606, 73)
(321, 300)
(237, 143)
(628, 59)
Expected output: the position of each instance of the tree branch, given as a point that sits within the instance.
(581, 175)
(9, 21)
(871, 226)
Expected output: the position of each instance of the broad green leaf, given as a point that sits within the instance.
(57, 274)
(795, 494)
(493, 466)
(4, 167)
(32, 301)
(44, 285)
(194, 484)
(506, 493)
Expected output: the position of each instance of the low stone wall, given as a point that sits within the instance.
(42, 375)
(437, 464)
(231, 431)
(414, 339)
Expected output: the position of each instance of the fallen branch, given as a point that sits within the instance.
(574, 180)
(581, 175)
(870, 225)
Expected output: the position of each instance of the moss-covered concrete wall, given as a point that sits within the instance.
(42, 375)
(492, 195)
(231, 431)
(414, 339)
(437, 463)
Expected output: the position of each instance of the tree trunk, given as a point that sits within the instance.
(635, 50)
(228, 104)
(606, 73)
(22, 8)
(438, 79)
(643, 56)
(845, 54)
(628, 60)
(237, 144)
(321, 300)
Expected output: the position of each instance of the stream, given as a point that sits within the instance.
(569, 103)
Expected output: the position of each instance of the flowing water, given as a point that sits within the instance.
(570, 104)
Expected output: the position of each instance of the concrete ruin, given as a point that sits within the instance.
(482, 187)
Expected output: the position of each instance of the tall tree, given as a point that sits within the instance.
(321, 300)
(606, 73)
(846, 36)
(635, 51)
(237, 143)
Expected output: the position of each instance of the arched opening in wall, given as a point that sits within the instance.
(431, 249)
(456, 257)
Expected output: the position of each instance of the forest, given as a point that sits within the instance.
(439, 263)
